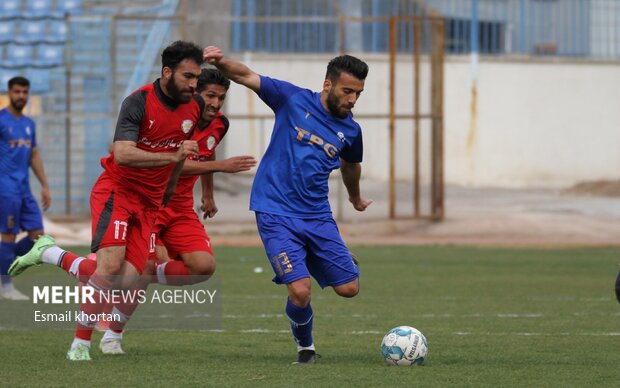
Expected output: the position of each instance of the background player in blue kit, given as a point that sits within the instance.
(314, 133)
(18, 208)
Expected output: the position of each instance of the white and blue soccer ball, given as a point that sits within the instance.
(404, 346)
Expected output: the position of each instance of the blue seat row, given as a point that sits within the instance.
(40, 55)
(39, 79)
(32, 31)
(33, 8)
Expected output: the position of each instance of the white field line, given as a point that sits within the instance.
(430, 316)
(527, 334)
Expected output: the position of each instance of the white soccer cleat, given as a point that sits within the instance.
(111, 346)
(10, 293)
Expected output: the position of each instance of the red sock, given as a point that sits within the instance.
(125, 309)
(77, 266)
(88, 310)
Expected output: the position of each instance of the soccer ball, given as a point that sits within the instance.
(404, 346)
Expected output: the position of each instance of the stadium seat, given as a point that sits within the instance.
(58, 31)
(31, 31)
(19, 55)
(5, 76)
(10, 8)
(7, 31)
(39, 7)
(39, 80)
(50, 55)
(69, 6)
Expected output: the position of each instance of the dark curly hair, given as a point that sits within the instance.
(346, 64)
(19, 80)
(178, 51)
(211, 76)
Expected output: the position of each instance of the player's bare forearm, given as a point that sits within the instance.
(36, 163)
(236, 71)
(208, 200)
(127, 154)
(230, 165)
(351, 173)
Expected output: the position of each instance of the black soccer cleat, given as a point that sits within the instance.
(618, 287)
(306, 357)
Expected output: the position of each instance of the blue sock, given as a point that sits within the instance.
(301, 323)
(23, 246)
(7, 255)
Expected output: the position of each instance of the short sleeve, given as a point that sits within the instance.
(275, 93)
(130, 117)
(353, 152)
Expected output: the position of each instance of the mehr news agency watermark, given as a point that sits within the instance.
(58, 295)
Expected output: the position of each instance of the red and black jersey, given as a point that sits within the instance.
(156, 123)
(208, 139)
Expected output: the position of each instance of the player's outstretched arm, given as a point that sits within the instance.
(36, 163)
(231, 165)
(351, 173)
(236, 71)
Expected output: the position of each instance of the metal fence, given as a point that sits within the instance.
(107, 50)
(574, 28)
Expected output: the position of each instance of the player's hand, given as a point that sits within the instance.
(208, 207)
(360, 204)
(187, 148)
(212, 55)
(238, 164)
(46, 198)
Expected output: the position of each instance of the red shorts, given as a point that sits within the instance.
(181, 232)
(121, 217)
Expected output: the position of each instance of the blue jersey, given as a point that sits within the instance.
(17, 138)
(306, 144)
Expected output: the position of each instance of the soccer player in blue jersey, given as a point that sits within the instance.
(18, 208)
(314, 133)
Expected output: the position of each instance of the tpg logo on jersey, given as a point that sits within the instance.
(329, 149)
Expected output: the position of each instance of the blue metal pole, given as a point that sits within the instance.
(473, 32)
(522, 30)
(236, 43)
(251, 32)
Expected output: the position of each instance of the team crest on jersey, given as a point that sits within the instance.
(187, 125)
(28, 131)
(341, 137)
(210, 142)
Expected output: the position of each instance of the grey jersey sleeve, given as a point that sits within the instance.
(130, 117)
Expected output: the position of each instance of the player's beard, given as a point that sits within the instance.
(182, 96)
(19, 104)
(334, 107)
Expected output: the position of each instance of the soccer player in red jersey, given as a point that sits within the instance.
(184, 249)
(151, 138)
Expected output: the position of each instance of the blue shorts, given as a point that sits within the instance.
(298, 248)
(20, 213)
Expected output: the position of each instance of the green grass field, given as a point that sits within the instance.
(493, 317)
